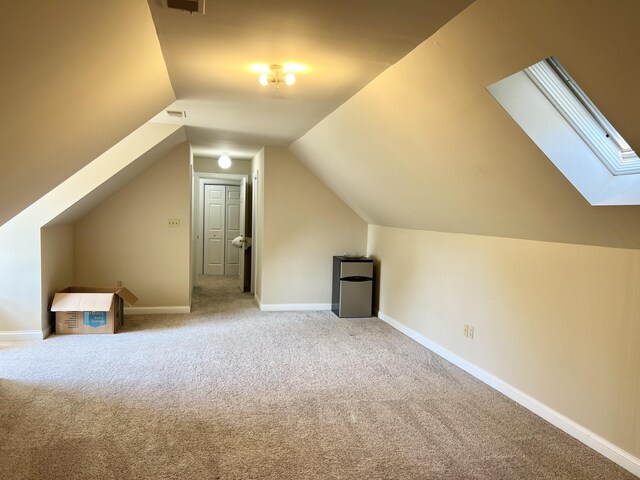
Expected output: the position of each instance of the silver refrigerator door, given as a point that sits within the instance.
(356, 269)
(355, 298)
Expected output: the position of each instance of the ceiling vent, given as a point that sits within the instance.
(177, 113)
(191, 6)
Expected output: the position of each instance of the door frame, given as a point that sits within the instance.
(255, 175)
(199, 181)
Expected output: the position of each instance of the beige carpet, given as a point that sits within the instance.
(229, 392)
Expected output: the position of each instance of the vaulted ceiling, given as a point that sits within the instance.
(78, 76)
(392, 112)
(426, 146)
(343, 46)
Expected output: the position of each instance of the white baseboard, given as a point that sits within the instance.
(592, 440)
(24, 335)
(291, 307)
(156, 310)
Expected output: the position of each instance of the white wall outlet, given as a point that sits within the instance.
(174, 223)
(470, 332)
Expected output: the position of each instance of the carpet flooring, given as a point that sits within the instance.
(229, 392)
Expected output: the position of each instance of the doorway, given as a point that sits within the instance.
(227, 261)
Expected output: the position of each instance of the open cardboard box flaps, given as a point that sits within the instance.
(90, 309)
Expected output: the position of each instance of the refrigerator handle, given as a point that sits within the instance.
(355, 279)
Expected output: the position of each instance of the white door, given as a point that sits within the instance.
(233, 207)
(214, 229)
(243, 211)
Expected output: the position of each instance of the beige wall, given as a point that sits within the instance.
(305, 224)
(20, 286)
(77, 77)
(210, 165)
(425, 146)
(21, 301)
(558, 322)
(57, 247)
(127, 236)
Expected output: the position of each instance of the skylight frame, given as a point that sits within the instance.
(584, 117)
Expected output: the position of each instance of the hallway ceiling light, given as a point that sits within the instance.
(277, 74)
(224, 161)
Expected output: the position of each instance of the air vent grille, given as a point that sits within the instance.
(191, 6)
(177, 113)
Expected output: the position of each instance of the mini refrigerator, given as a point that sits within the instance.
(352, 289)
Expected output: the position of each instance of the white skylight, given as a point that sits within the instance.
(574, 105)
(568, 128)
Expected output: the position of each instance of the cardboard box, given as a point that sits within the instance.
(90, 310)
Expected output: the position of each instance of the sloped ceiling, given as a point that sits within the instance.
(425, 146)
(77, 76)
(119, 180)
(343, 44)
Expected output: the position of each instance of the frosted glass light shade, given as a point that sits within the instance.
(289, 78)
(224, 161)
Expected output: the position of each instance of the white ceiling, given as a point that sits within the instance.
(343, 44)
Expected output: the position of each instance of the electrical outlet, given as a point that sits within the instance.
(174, 223)
(119, 283)
(468, 331)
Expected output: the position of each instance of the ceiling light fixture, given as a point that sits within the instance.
(224, 161)
(276, 75)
